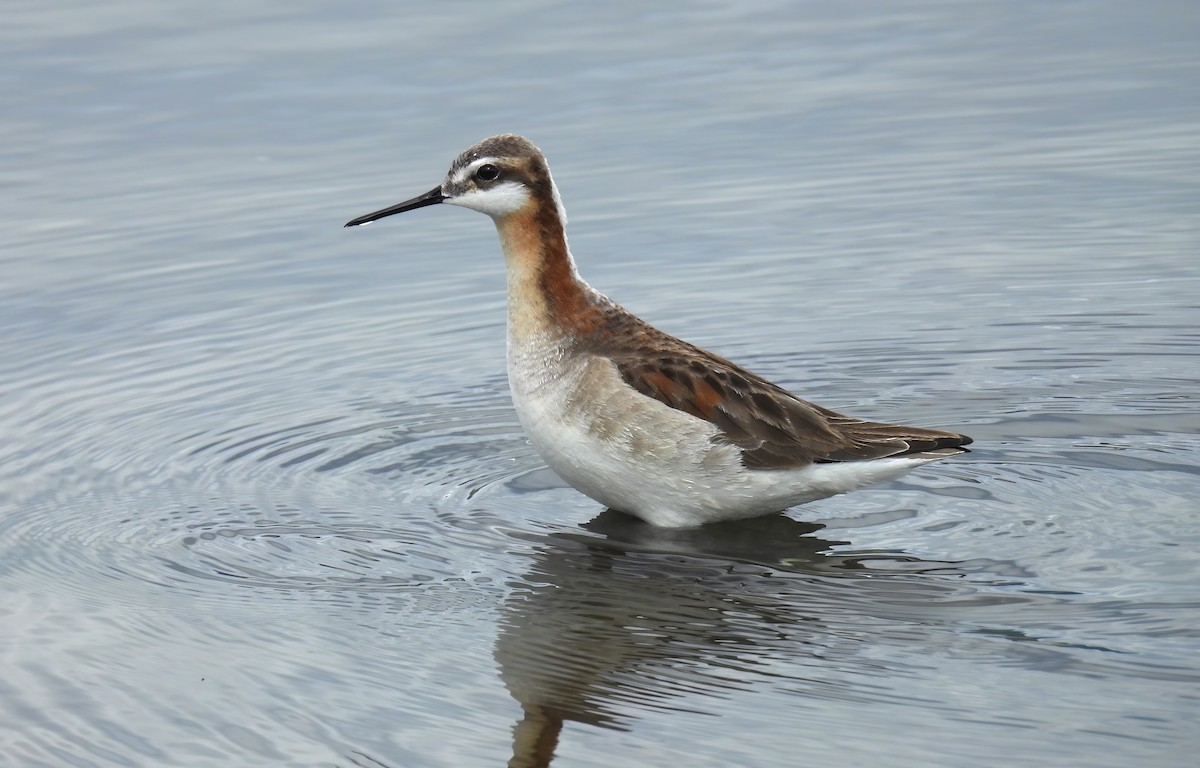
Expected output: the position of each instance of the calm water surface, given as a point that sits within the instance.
(264, 500)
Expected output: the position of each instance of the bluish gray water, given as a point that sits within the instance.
(264, 501)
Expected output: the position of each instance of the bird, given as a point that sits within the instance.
(638, 420)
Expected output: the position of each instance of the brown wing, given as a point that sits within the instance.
(774, 428)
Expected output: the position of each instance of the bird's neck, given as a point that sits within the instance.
(546, 295)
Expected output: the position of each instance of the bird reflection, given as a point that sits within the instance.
(628, 615)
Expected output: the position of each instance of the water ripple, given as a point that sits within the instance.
(384, 498)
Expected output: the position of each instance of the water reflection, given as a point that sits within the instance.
(632, 617)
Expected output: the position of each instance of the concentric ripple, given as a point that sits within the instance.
(386, 497)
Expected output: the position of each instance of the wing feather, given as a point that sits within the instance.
(774, 428)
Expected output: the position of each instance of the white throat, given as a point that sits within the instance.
(497, 202)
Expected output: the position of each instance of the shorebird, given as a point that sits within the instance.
(635, 418)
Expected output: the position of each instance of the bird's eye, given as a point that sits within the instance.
(487, 172)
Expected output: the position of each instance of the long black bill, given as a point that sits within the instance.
(432, 197)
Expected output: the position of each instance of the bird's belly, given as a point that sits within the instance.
(628, 451)
(640, 456)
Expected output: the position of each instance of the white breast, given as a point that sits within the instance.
(625, 450)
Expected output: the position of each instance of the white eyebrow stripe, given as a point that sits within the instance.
(468, 171)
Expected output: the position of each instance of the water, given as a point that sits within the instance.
(264, 501)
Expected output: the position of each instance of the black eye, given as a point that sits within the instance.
(487, 172)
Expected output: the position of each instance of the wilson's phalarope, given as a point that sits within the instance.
(637, 419)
